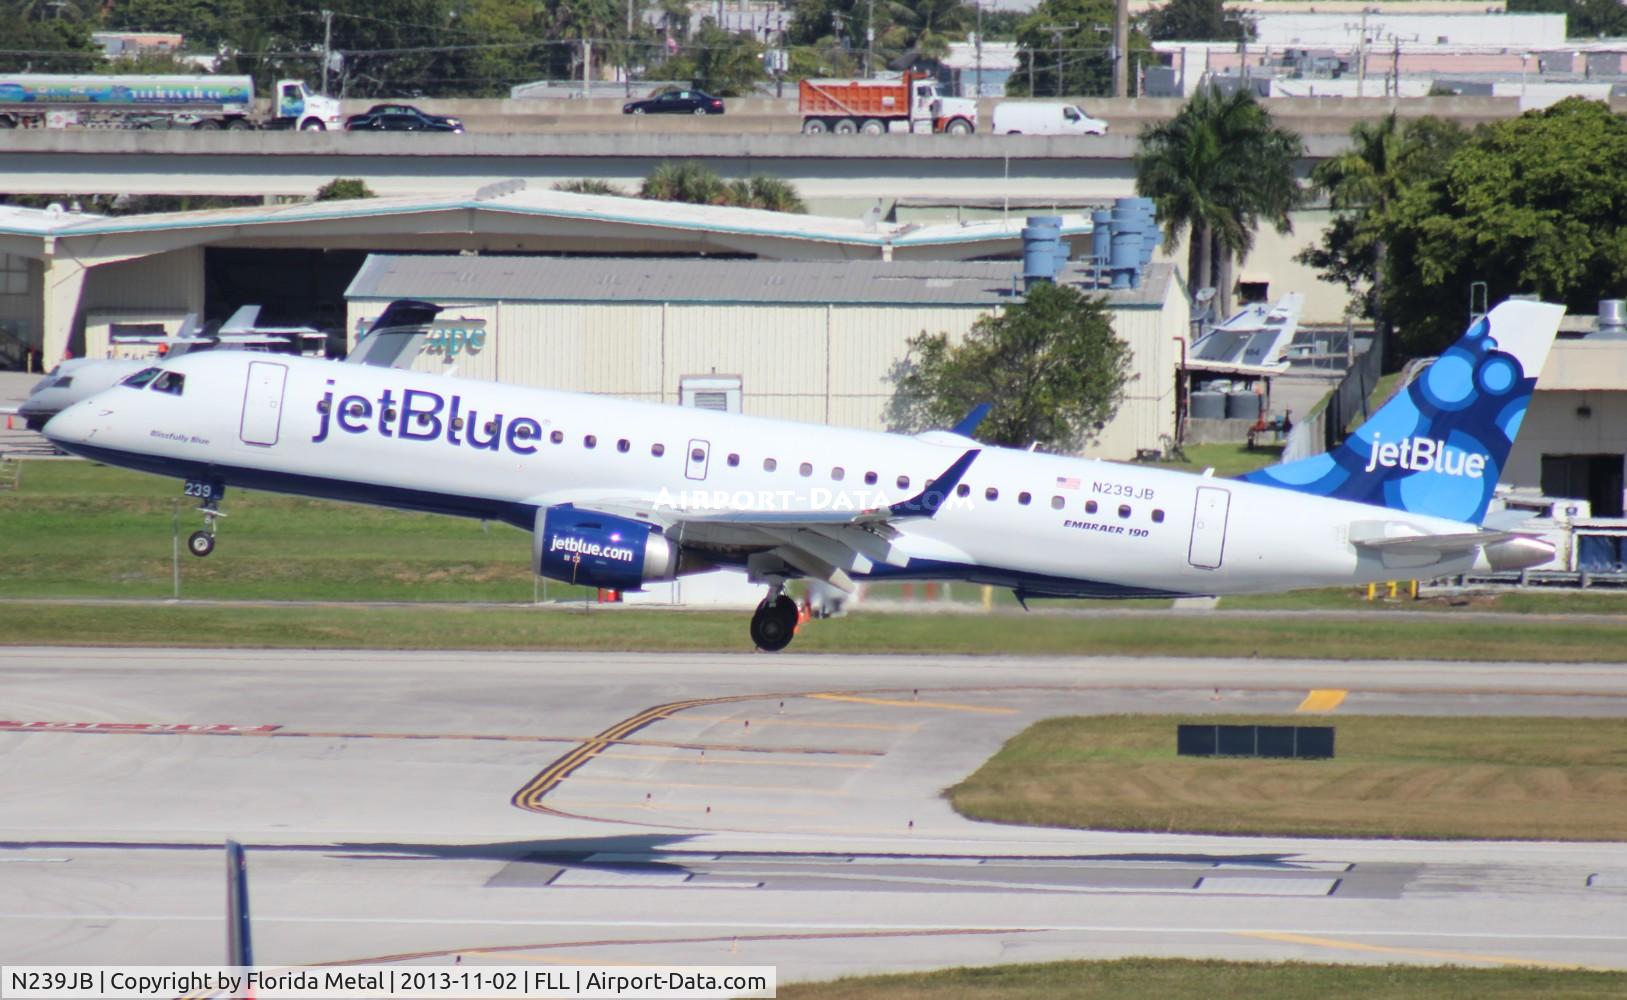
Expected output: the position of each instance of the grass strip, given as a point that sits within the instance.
(587, 627)
(1412, 777)
(1179, 979)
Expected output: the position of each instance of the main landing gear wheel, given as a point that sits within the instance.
(774, 623)
(200, 543)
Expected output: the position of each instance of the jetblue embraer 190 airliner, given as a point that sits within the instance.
(619, 494)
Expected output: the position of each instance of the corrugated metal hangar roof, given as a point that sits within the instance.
(555, 279)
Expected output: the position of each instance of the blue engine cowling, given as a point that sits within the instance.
(600, 550)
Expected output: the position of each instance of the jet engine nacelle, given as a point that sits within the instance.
(600, 550)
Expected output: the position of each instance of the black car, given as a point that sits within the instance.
(676, 102)
(400, 118)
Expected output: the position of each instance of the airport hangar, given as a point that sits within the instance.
(593, 293)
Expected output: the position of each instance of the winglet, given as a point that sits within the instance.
(927, 502)
(969, 422)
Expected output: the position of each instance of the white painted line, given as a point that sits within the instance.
(1268, 886)
(579, 877)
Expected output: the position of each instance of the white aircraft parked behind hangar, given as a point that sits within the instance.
(621, 493)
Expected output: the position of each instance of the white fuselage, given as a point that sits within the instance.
(1045, 524)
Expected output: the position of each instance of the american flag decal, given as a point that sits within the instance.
(1067, 482)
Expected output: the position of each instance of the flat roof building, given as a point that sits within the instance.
(810, 340)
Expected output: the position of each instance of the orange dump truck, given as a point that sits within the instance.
(910, 103)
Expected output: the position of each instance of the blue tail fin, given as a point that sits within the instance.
(1438, 447)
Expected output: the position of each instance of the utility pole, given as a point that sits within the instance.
(1057, 31)
(627, 57)
(1121, 49)
(870, 40)
(327, 48)
(979, 91)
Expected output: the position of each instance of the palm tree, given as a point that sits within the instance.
(775, 195)
(1366, 181)
(590, 185)
(1221, 168)
(685, 181)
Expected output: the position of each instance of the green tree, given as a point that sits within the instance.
(727, 64)
(1363, 185)
(1195, 21)
(1062, 54)
(1220, 167)
(204, 24)
(59, 45)
(1535, 204)
(344, 189)
(686, 181)
(1051, 365)
(590, 185)
(1583, 18)
(768, 193)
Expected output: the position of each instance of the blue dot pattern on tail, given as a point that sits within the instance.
(1439, 446)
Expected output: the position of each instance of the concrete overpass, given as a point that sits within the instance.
(835, 174)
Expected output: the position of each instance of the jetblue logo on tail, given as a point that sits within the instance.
(1439, 446)
(1424, 455)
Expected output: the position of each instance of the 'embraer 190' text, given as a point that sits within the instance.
(421, 415)
(1424, 455)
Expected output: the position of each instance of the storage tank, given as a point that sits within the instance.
(1040, 239)
(1243, 405)
(1208, 405)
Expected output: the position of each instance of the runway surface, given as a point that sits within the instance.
(711, 809)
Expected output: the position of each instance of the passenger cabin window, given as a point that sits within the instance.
(806, 468)
(590, 441)
(170, 382)
(769, 465)
(1056, 503)
(141, 378)
(1090, 506)
(903, 482)
(734, 460)
(961, 491)
(624, 446)
(557, 437)
(1025, 498)
(870, 478)
(991, 494)
(1157, 516)
(838, 474)
(1124, 510)
(658, 450)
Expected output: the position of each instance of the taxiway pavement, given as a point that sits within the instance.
(711, 809)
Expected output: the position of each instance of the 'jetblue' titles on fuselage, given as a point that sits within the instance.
(426, 416)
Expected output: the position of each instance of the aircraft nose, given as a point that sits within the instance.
(75, 425)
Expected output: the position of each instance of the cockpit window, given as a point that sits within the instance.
(170, 382)
(141, 378)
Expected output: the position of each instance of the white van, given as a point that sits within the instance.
(1044, 118)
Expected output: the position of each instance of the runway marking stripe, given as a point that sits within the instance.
(529, 797)
(1322, 700)
(894, 703)
(1449, 956)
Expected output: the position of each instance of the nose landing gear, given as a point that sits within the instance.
(774, 622)
(201, 543)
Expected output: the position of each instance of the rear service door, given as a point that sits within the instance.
(262, 403)
(1209, 528)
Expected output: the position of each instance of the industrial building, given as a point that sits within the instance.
(810, 341)
(67, 279)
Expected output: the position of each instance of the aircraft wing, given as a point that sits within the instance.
(241, 321)
(826, 545)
